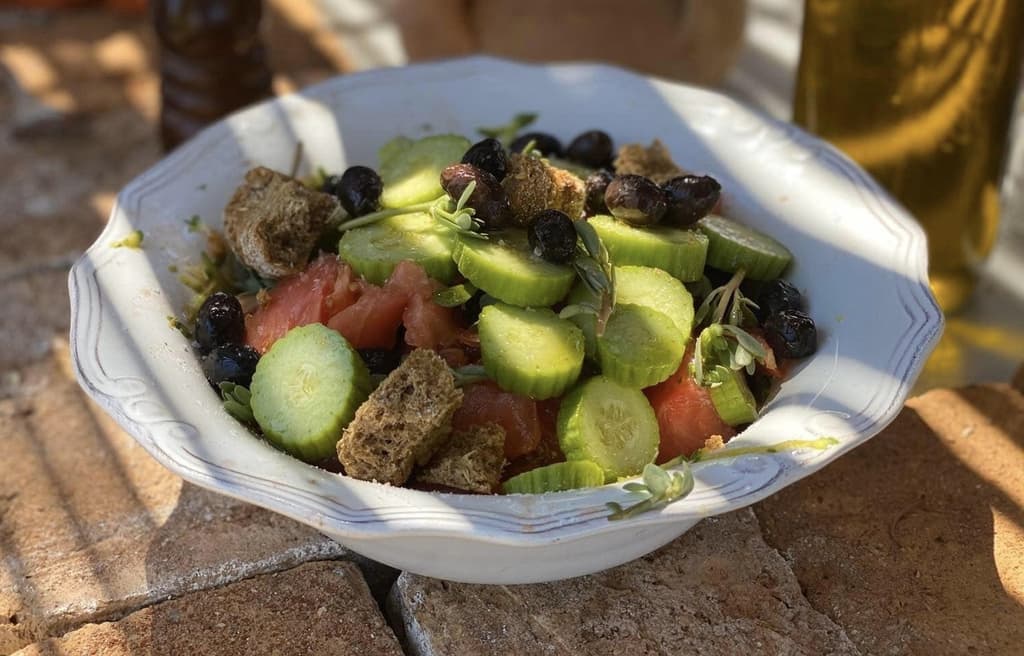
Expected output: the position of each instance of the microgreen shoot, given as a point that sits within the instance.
(723, 342)
(661, 486)
(594, 268)
(132, 240)
(236, 400)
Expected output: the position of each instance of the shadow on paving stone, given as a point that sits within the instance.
(914, 542)
(716, 590)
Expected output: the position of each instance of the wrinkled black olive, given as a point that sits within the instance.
(220, 321)
(488, 198)
(552, 236)
(777, 295)
(381, 361)
(545, 143)
(234, 363)
(690, 198)
(596, 185)
(635, 199)
(791, 334)
(358, 189)
(488, 155)
(593, 148)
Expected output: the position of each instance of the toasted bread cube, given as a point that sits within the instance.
(652, 161)
(273, 222)
(403, 422)
(470, 460)
(534, 185)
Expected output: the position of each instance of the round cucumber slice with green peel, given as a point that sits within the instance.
(734, 246)
(680, 252)
(640, 347)
(504, 267)
(306, 389)
(635, 285)
(530, 351)
(572, 475)
(731, 397)
(411, 172)
(374, 250)
(610, 425)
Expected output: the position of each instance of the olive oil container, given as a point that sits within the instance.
(921, 94)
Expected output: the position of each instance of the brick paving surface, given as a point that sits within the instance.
(912, 544)
(318, 608)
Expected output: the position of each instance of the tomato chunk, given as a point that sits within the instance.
(324, 288)
(486, 403)
(373, 320)
(686, 415)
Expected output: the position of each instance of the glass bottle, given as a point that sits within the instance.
(921, 94)
(212, 62)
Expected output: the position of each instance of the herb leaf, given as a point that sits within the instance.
(661, 486)
(235, 399)
(454, 296)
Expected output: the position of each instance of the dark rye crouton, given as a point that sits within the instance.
(470, 460)
(403, 423)
(272, 222)
(534, 185)
(652, 161)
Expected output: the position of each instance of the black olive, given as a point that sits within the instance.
(635, 199)
(690, 198)
(552, 236)
(488, 198)
(488, 155)
(791, 334)
(777, 295)
(593, 148)
(220, 321)
(233, 363)
(597, 184)
(381, 361)
(358, 189)
(547, 144)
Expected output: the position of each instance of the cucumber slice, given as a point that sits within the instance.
(640, 347)
(306, 390)
(412, 172)
(396, 146)
(375, 250)
(559, 476)
(636, 285)
(504, 267)
(680, 252)
(610, 425)
(530, 351)
(732, 398)
(734, 246)
(656, 289)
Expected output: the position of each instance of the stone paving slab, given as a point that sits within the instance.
(719, 589)
(914, 542)
(317, 608)
(91, 527)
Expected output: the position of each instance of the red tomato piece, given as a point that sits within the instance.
(686, 415)
(308, 297)
(486, 403)
(427, 324)
(373, 320)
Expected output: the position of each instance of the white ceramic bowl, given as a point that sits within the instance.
(859, 257)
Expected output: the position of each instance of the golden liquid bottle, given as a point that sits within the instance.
(920, 93)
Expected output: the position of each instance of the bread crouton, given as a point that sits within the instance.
(534, 185)
(403, 422)
(652, 161)
(273, 222)
(470, 460)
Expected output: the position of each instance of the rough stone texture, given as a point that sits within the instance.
(719, 589)
(91, 527)
(317, 608)
(915, 541)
